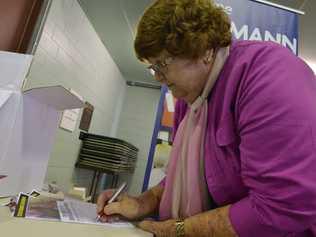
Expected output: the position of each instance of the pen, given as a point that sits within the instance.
(100, 214)
(113, 198)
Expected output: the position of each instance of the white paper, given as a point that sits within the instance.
(28, 123)
(57, 97)
(83, 212)
(163, 135)
(28, 145)
(170, 102)
(70, 117)
(8, 113)
(13, 68)
(4, 96)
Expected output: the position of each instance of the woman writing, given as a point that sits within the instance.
(244, 158)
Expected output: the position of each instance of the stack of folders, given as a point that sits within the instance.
(106, 154)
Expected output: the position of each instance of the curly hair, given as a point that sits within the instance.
(184, 28)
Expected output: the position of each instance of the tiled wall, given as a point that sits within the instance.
(71, 54)
(136, 126)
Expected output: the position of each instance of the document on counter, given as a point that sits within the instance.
(42, 208)
(85, 213)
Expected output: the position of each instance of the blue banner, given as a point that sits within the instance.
(253, 20)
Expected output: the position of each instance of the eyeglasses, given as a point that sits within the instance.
(160, 67)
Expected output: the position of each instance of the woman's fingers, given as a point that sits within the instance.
(115, 218)
(104, 218)
(103, 198)
(124, 205)
(121, 197)
(112, 218)
(113, 208)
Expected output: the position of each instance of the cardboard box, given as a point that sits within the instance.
(28, 123)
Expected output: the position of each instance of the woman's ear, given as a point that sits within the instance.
(208, 56)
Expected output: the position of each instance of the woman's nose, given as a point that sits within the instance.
(160, 78)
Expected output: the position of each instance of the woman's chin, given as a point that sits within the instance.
(176, 93)
(179, 95)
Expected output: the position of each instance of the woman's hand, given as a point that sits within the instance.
(131, 208)
(125, 207)
(159, 228)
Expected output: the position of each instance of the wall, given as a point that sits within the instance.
(307, 49)
(71, 54)
(136, 126)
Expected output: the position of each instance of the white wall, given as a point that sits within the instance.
(136, 126)
(71, 54)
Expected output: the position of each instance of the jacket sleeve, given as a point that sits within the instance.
(276, 110)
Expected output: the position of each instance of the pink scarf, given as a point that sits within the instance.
(186, 192)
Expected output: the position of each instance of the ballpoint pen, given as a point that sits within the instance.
(113, 198)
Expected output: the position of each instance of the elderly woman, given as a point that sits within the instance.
(243, 161)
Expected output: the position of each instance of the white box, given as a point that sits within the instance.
(28, 123)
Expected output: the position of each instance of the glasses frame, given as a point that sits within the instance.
(157, 68)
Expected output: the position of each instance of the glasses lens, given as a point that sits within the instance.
(152, 71)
